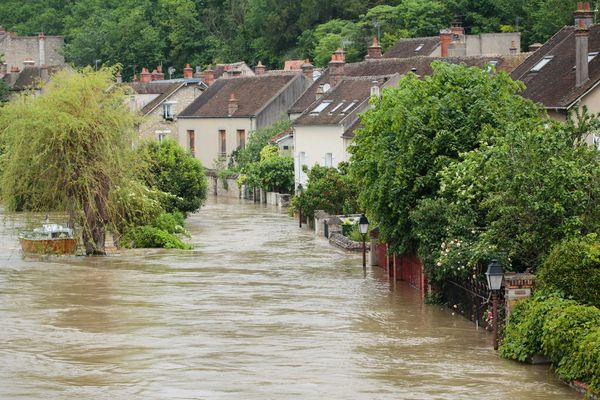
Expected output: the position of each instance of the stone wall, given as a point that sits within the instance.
(341, 241)
(223, 187)
(17, 49)
(154, 124)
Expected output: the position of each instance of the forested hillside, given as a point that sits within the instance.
(173, 32)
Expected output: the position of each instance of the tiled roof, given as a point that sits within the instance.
(287, 132)
(164, 90)
(29, 77)
(293, 65)
(408, 47)
(252, 93)
(337, 104)
(390, 66)
(555, 84)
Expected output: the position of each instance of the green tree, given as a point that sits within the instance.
(68, 150)
(416, 129)
(257, 140)
(176, 172)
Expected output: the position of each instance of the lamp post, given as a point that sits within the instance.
(300, 189)
(96, 64)
(494, 276)
(363, 226)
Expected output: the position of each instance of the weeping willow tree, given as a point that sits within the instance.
(69, 150)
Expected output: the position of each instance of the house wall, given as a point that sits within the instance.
(492, 43)
(315, 142)
(206, 134)
(17, 49)
(154, 123)
(139, 101)
(278, 107)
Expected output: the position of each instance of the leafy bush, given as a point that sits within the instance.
(257, 140)
(573, 268)
(171, 223)
(563, 332)
(273, 174)
(151, 237)
(175, 171)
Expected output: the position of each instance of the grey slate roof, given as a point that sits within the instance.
(406, 48)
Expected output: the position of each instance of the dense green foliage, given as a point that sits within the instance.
(257, 141)
(173, 32)
(273, 173)
(60, 156)
(459, 169)
(330, 190)
(176, 172)
(151, 237)
(4, 91)
(563, 330)
(573, 268)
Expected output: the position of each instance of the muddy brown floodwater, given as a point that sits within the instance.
(259, 310)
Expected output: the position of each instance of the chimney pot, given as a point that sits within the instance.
(445, 40)
(374, 51)
(336, 67)
(145, 76)
(209, 76)
(260, 69)
(188, 72)
(308, 69)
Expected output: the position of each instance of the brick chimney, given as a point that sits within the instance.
(513, 48)
(445, 40)
(374, 51)
(233, 105)
(260, 69)
(336, 67)
(28, 64)
(581, 54)
(145, 76)
(160, 75)
(154, 75)
(188, 72)
(209, 76)
(308, 69)
(584, 13)
(42, 48)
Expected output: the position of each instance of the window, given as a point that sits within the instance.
(591, 56)
(222, 145)
(162, 135)
(328, 160)
(336, 107)
(345, 110)
(320, 107)
(192, 141)
(419, 47)
(541, 64)
(168, 112)
(241, 139)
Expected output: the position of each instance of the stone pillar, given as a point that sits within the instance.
(517, 287)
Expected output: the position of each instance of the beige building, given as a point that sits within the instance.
(222, 118)
(20, 51)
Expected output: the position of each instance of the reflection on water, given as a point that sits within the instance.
(259, 310)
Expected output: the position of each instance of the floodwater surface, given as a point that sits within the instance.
(259, 310)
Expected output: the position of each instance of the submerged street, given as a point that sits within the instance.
(258, 310)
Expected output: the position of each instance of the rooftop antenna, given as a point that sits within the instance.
(345, 42)
(377, 26)
(517, 20)
(171, 71)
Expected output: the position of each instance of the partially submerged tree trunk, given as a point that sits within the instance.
(96, 219)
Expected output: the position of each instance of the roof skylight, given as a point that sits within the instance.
(419, 47)
(320, 107)
(345, 110)
(592, 55)
(541, 64)
(336, 107)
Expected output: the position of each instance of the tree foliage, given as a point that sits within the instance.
(177, 173)
(257, 140)
(69, 149)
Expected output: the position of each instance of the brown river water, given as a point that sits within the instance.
(259, 310)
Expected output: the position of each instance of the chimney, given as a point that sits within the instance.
(535, 47)
(119, 78)
(457, 31)
(374, 51)
(585, 14)
(44, 76)
(308, 69)
(42, 48)
(581, 54)
(445, 40)
(154, 76)
(336, 67)
(188, 72)
(260, 69)
(320, 92)
(160, 74)
(513, 48)
(198, 73)
(209, 76)
(28, 64)
(145, 76)
(375, 89)
(233, 104)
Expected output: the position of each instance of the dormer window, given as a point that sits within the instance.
(541, 64)
(419, 47)
(168, 110)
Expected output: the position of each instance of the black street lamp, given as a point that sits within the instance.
(363, 226)
(300, 189)
(494, 276)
